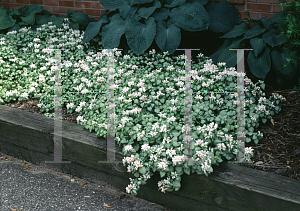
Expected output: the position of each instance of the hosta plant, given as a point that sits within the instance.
(143, 21)
(149, 101)
(268, 53)
(15, 19)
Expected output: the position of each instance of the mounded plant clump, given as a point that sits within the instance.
(149, 101)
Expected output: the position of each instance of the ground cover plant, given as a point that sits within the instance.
(149, 101)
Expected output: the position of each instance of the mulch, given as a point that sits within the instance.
(278, 152)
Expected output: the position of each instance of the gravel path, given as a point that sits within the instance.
(25, 186)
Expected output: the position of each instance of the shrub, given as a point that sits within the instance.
(149, 110)
(265, 39)
(290, 26)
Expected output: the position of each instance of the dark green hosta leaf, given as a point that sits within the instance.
(112, 32)
(145, 12)
(229, 56)
(160, 14)
(15, 12)
(273, 38)
(258, 45)
(140, 36)
(255, 31)
(216, 55)
(29, 19)
(70, 13)
(168, 36)
(74, 26)
(278, 62)
(58, 21)
(128, 11)
(260, 66)
(23, 23)
(113, 4)
(223, 16)
(43, 19)
(190, 17)
(238, 30)
(6, 21)
(132, 2)
(33, 9)
(203, 2)
(174, 3)
(81, 18)
(15, 28)
(93, 29)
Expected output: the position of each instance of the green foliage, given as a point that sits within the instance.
(149, 93)
(290, 26)
(265, 40)
(16, 19)
(143, 21)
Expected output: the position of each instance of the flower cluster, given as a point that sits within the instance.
(149, 100)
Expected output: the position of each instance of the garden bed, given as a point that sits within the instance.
(230, 187)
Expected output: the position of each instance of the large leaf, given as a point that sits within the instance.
(278, 62)
(128, 11)
(255, 31)
(112, 4)
(258, 45)
(223, 16)
(57, 21)
(132, 2)
(168, 36)
(203, 2)
(43, 19)
(14, 28)
(6, 21)
(113, 31)
(174, 3)
(81, 18)
(274, 19)
(229, 56)
(93, 29)
(140, 36)
(216, 55)
(30, 19)
(160, 14)
(74, 25)
(33, 9)
(145, 12)
(238, 30)
(273, 38)
(190, 17)
(260, 66)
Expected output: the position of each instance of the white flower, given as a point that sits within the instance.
(163, 128)
(145, 147)
(70, 105)
(153, 133)
(173, 101)
(171, 119)
(249, 150)
(137, 164)
(24, 95)
(162, 165)
(171, 152)
(128, 148)
(155, 126)
(78, 109)
(178, 159)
